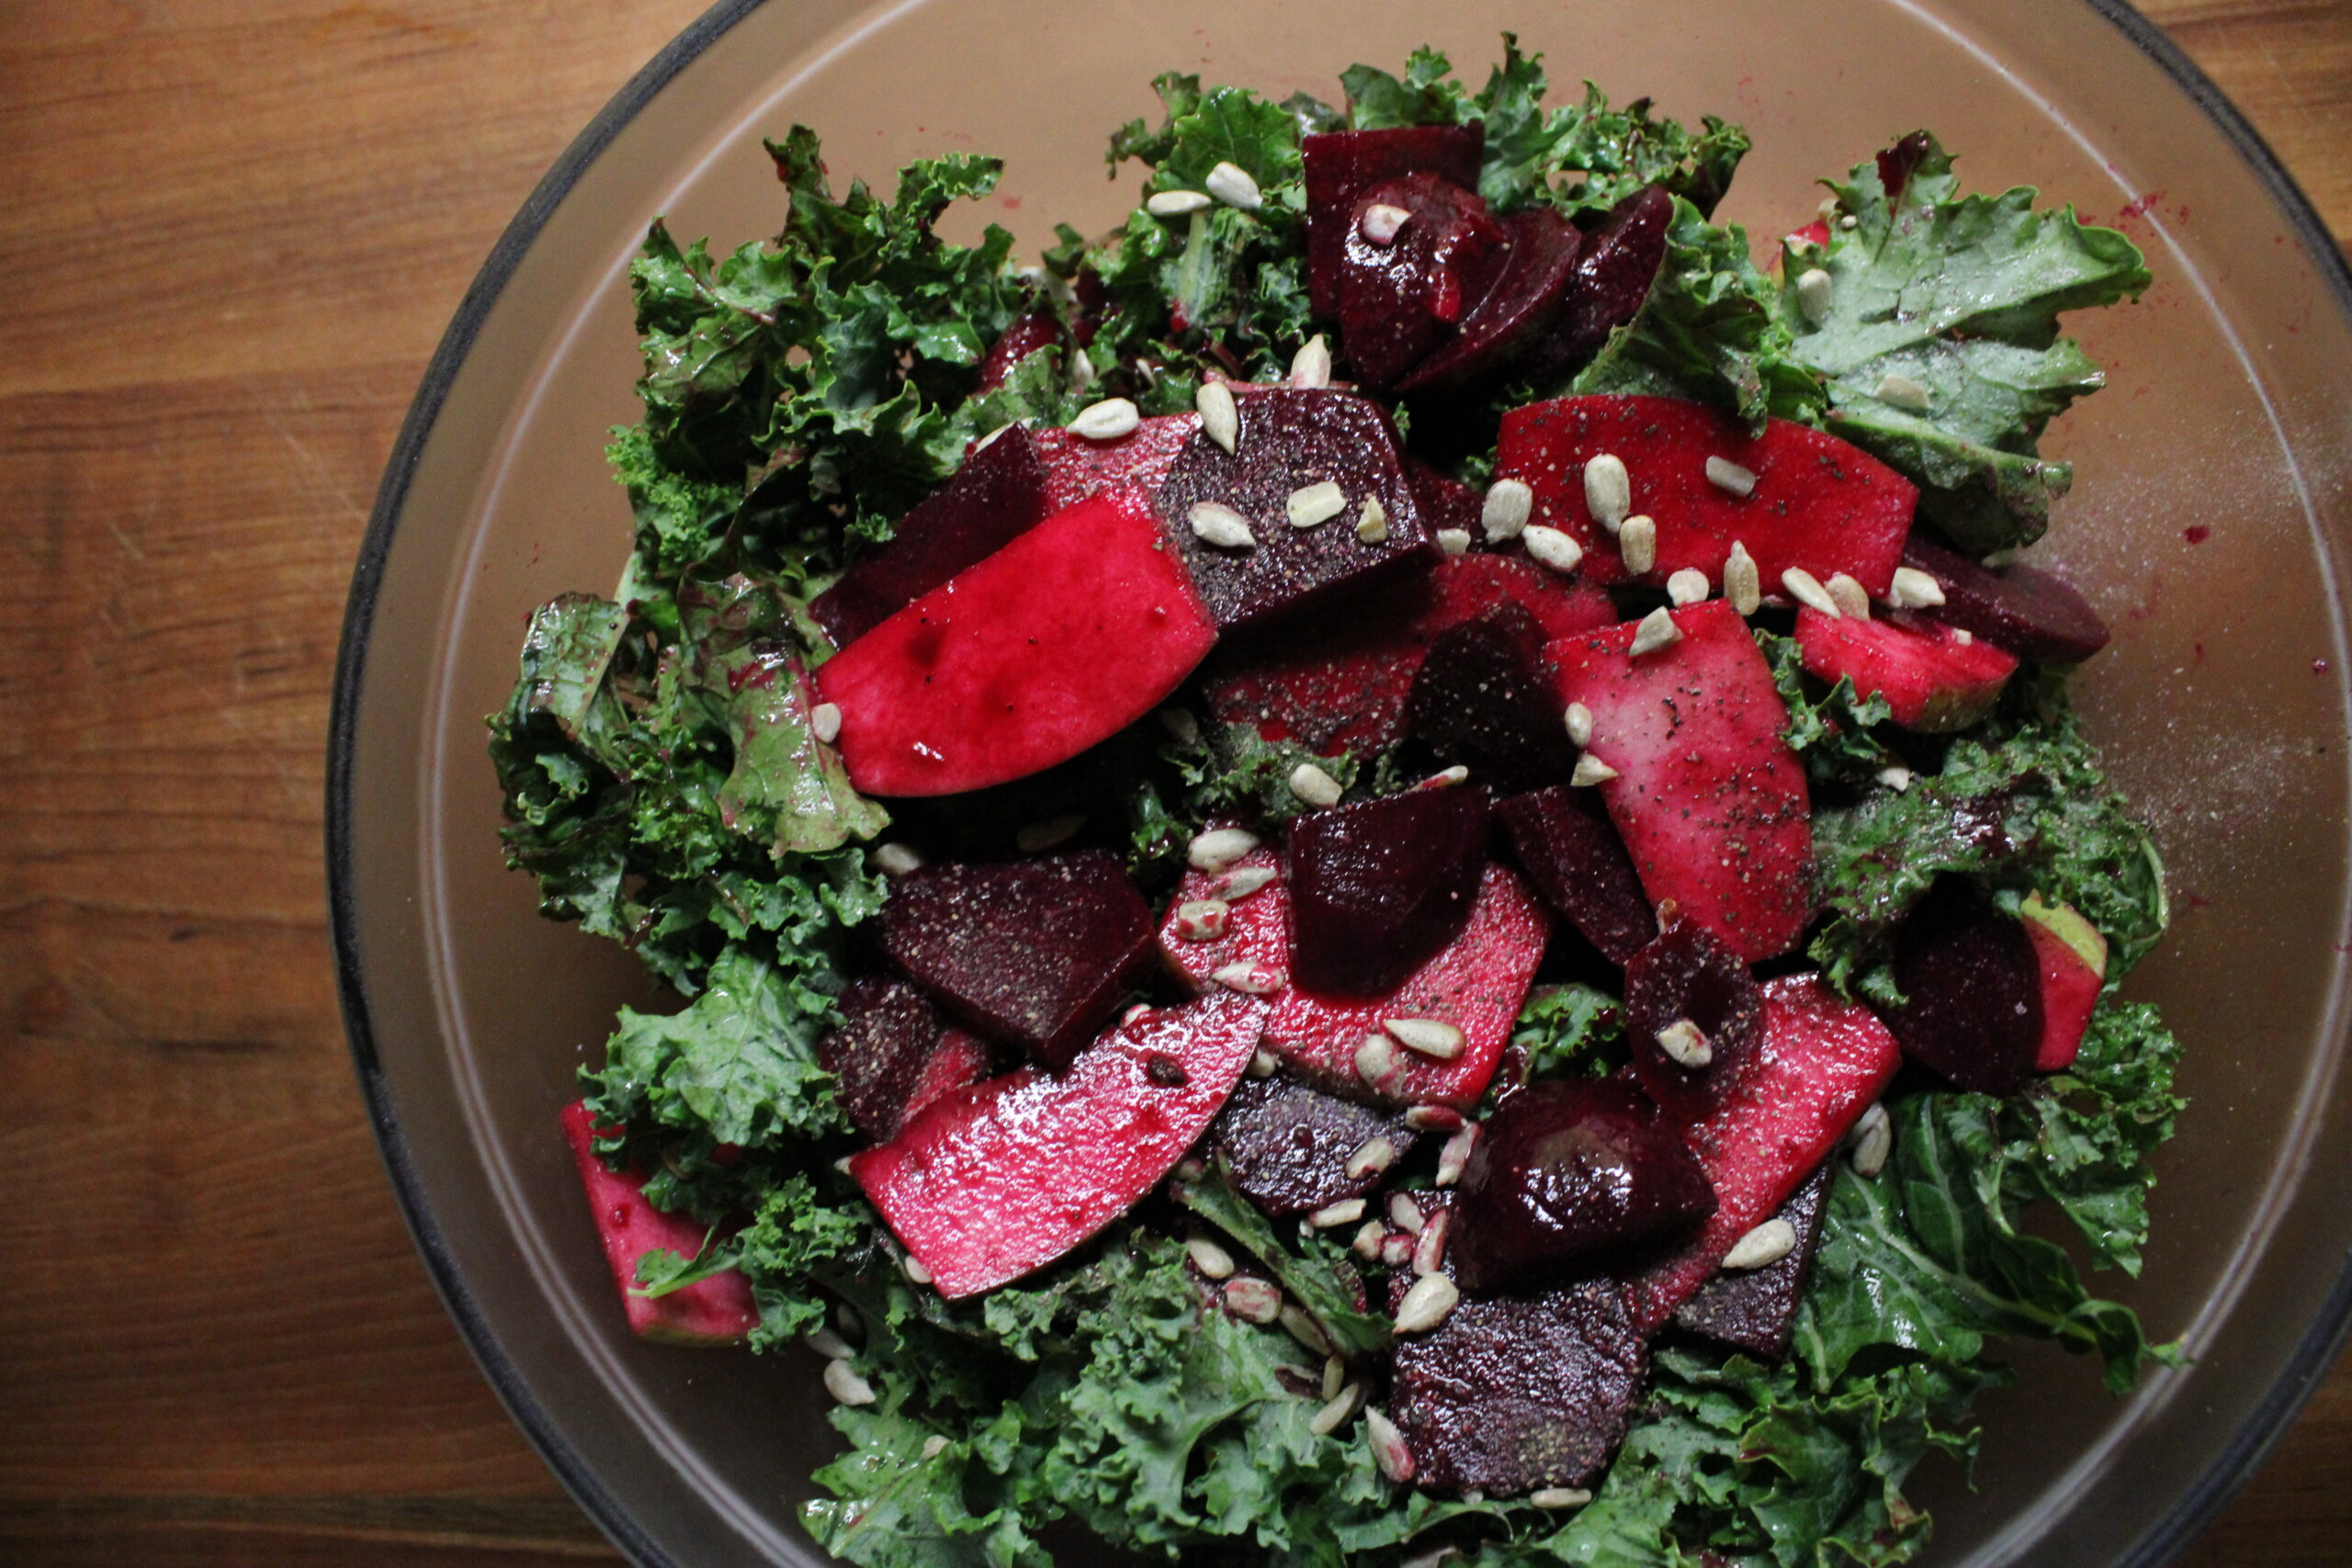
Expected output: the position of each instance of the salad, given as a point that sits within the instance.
(1389, 868)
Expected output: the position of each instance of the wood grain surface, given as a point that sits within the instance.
(235, 230)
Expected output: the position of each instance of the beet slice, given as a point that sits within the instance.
(1289, 439)
(994, 1180)
(1378, 889)
(1515, 1392)
(2072, 954)
(1340, 165)
(1034, 953)
(1934, 679)
(1078, 468)
(1256, 923)
(1711, 802)
(2033, 613)
(1972, 989)
(1562, 839)
(1482, 699)
(1445, 502)
(1288, 1147)
(717, 1310)
(1517, 312)
(1478, 985)
(1825, 1061)
(1402, 301)
(1339, 684)
(1025, 337)
(1687, 976)
(1053, 644)
(1615, 269)
(997, 495)
(891, 1055)
(1755, 1309)
(1567, 1172)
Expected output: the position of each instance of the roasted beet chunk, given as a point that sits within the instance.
(1445, 502)
(997, 495)
(1037, 952)
(892, 1056)
(1693, 1015)
(1566, 1173)
(1755, 1309)
(1290, 1148)
(1379, 889)
(1405, 284)
(1517, 312)
(2027, 613)
(1614, 274)
(1513, 1392)
(1482, 700)
(1290, 440)
(1573, 855)
(1972, 989)
(1342, 164)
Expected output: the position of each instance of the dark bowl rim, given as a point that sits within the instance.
(2169, 1536)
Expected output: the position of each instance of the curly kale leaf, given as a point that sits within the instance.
(1833, 733)
(1954, 301)
(1568, 1031)
(1317, 1275)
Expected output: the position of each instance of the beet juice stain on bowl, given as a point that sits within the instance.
(689, 778)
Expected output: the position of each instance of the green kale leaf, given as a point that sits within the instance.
(1568, 1031)
(1832, 734)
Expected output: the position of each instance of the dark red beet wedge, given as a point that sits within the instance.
(891, 1055)
(1972, 989)
(1339, 684)
(1615, 269)
(1566, 846)
(1515, 1392)
(997, 495)
(1934, 679)
(1402, 301)
(717, 1310)
(1291, 439)
(1688, 976)
(1025, 337)
(1342, 164)
(1445, 502)
(1289, 1148)
(1517, 313)
(1476, 985)
(1755, 1309)
(2031, 614)
(1078, 468)
(997, 1179)
(1035, 952)
(1378, 889)
(1825, 1061)
(1566, 1173)
(1482, 699)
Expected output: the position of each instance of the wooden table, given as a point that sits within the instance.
(235, 229)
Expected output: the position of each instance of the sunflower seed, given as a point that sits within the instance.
(1191, 1167)
(1035, 836)
(1213, 1261)
(1433, 1119)
(1451, 1158)
(1380, 222)
(825, 723)
(1405, 1214)
(1264, 1064)
(1445, 778)
(1176, 203)
(1814, 289)
(1428, 1253)
(1397, 1250)
(1689, 586)
(1250, 979)
(1508, 505)
(1082, 374)
(895, 859)
(1315, 786)
(934, 1446)
(1728, 476)
(1430, 1302)
(1553, 548)
(1743, 584)
(1334, 1415)
(828, 1344)
(1637, 542)
(1105, 421)
(1805, 588)
(1311, 506)
(845, 1385)
(1657, 631)
(1963, 636)
(1252, 1299)
(1579, 722)
(1335, 1377)
(1203, 919)
(1608, 490)
(1220, 419)
(1559, 1497)
(1219, 525)
(1371, 524)
(1873, 1140)
(1375, 1060)
(1372, 1156)
(1849, 222)
(1903, 392)
(1853, 600)
(1914, 590)
(1590, 770)
(1242, 881)
(1232, 185)
(1686, 1043)
(1897, 779)
(1310, 367)
(1180, 725)
(1305, 1330)
(1219, 847)
(1429, 1036)
(912, 1267)
(1454, 541)
(1346, 1211)
(1366, 1245)
(1388, 1450)
(1766, 1244)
